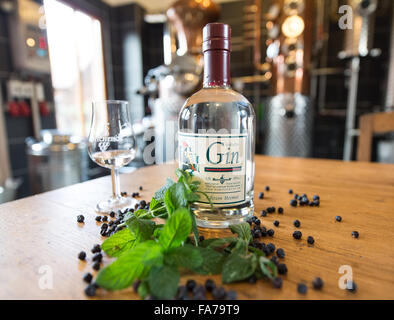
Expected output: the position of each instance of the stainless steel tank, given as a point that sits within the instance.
(58, 160)
(288, 124)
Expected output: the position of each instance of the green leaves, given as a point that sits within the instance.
(238, 267)
(212, 261)
(268, 268)
(130, 266)
(141, 228)
(187, 257)
(176, 229)
(242, 230)
(156, 253)
(159, 195)
(163, 281)
(118, 243)
(175, 197)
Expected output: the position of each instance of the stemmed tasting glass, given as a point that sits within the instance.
(112, 145)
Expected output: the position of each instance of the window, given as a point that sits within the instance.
(77, 65)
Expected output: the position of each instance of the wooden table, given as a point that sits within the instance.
(40, 234)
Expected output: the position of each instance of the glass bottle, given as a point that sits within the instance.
(216, 138)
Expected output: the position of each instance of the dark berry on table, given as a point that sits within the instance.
(297, 235)
(338, 218)
(182, 293)
(82, 255)
(87, 277)
(302, 288)
(199, 289)
(273, 209)
(267, 188)
(219, 293)
(271, 247)
(231, 295)
(277, 282)
(317, 283)
(97, 257)
(96, 266)
(104, 226)
(293, 202)
(103, 232)
(210, 285)
(140, 188)
(112, 214)
(316, 197)
(98, 218)
(351, 286)
(105, 218)
(355, 234)
(111, 223)
(142, 203)
(90, 290)
(280, 253)
(257, 234)
(310, 240)
(270, 210)
(257, 222)
(136, 284)
(264, 232)
(275, 260)
(80, 218)
(261, 195)
(96, 248)
(270, 232)
(276, 223)
(252, 279)
(316, 203)
(290, 191)
(263, 213)
(282, 268)
(297, 223)
(190, 284)
(280, 210)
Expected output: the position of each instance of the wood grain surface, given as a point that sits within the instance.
(40, 234)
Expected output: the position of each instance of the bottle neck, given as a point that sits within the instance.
(216, 69)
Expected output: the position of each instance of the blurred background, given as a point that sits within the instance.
(318, 73)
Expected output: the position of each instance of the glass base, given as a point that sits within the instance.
(220, 218)
(114, 204)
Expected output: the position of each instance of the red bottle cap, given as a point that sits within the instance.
(216, 36)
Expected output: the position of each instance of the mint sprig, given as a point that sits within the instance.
(156, 254)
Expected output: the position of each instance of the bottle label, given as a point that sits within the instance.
(218, 162)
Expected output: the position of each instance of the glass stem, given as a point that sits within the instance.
(115, 184)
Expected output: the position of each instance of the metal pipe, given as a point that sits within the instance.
(351, 108)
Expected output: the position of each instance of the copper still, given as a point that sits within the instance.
(170, 84)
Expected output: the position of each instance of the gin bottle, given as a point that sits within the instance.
(216, 138)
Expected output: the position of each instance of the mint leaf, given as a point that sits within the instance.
(168, 202)
(184, 257)
(163, 282)
(176, 229)
(238, 267)
(118, 243)
(143, 289)
(268, 268)
(130, 266)
(175, 197)
(218, 242)
(141, 228)
(242, 230)
(212, 262)
(159, 195)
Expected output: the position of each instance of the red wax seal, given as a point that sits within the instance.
(216, 47)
